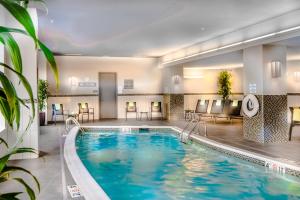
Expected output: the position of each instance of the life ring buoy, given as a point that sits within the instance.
(250, 105)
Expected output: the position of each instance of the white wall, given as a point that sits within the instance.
(208, 84)
(293, 65)
(144, 71)
(274, 86)
(253, 68)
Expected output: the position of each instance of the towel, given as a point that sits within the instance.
(57, 106)
(235, 103)
(219, 102)
(296, 116)
(202, 102)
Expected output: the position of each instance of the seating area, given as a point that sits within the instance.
(295, 119)
(155, 108)
(229, 110)
(83, 110)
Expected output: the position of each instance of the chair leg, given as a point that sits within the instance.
(126, 116)
(290, 132)
(93, 117)
(88, 117)
(81, 118)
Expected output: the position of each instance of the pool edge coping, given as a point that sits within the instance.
(87, 183)
(79, 172)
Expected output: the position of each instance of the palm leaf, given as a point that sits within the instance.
(4, 159)
(13, 50)
(11, 30)
(50, 57)
(10, 196)
(47, 53)
(29, 190)
(9, 169)
(2, 141)
(21, 15)
(5, 110)
(12, 99)
(26, 86)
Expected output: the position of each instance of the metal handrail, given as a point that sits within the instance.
(195, 123)
(72, 119)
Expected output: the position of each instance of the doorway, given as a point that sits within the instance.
(107, 95)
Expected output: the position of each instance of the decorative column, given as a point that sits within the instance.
(264, 76)
(174, 96)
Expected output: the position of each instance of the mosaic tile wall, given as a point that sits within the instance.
(175, 106)
(275, 118)
(253, 128)
(270, 124)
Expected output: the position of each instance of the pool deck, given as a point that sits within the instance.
(47, 168)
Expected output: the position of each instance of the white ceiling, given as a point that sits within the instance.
(147, 28)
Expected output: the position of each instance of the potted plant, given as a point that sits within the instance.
(224, 84)
(42, 99)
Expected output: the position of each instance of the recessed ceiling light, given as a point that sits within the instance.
(202, 29)
(51, 21)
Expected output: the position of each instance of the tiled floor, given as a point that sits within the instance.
(47, 168)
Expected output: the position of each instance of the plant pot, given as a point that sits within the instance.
(42, 118)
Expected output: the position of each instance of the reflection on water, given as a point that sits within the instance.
(157, 166)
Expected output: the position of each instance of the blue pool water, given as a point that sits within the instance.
(156, 165)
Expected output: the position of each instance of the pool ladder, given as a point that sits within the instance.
(72, 119)
(194, 123)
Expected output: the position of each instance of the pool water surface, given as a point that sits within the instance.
(141, 164)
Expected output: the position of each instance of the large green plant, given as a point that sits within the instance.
(42, 94)
(224, 84)
(10, 103)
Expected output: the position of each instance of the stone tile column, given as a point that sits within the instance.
(174, 94)
(270, 124)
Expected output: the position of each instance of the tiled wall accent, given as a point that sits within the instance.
(275, 118)
(176, 106)
(253, 128)
(270, 124)
(166, 100)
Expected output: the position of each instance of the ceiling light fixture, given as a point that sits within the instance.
(234, 44)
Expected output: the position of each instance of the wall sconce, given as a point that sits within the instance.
(176, 79)
(276, 69)
(73, 81)
(297, 76)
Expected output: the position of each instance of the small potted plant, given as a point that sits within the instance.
(42, 99)
(224, 84)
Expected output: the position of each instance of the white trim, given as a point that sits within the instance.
(92, 190)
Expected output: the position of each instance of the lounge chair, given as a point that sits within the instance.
(57, 110)
(295, 119)
(201, 108)
(233, 109)
(217, 110)
(84, 109)
(131, 108)
(156, 108)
